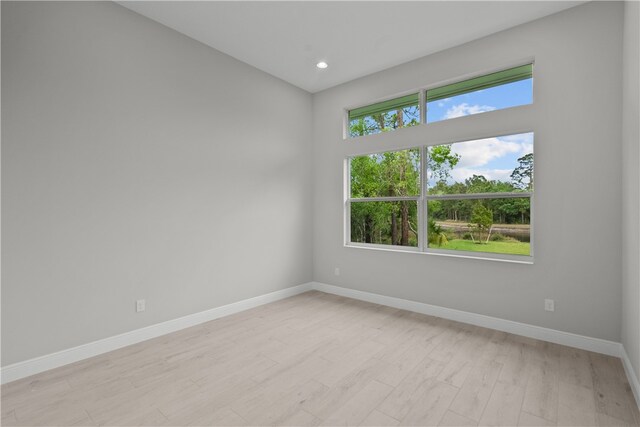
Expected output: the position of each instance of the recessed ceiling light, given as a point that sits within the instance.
(322, 65)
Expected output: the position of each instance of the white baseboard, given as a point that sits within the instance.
(44, 363)
(551, 335)
(634, 382)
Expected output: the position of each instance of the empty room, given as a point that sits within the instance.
(323, 213)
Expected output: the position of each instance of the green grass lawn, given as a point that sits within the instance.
(514, 248)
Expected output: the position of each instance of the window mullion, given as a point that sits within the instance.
(478, 196)
(347, 204)
(386, 199)
(423, 208)
(423, 106)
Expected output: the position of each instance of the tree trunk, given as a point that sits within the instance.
(379, 118)
(394, 231)
(404, 206)
(368, 231)
(405, 224)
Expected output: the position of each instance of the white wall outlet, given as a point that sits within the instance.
(336, 271)
(549, 305)
(140, 305)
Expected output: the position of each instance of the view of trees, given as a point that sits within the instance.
(499, 224)
(514, 210)
(391, 174)
(384, 122)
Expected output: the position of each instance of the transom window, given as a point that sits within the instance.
(490, 92)
(495, 91)
(385, 116)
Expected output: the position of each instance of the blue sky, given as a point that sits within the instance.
(495, 98)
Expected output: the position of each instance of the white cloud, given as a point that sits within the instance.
(477, 157)
(460, 174)
(465, 109)
(524, 139)
(482, 151)
(527, 147)
(443, 102)
(520, 137)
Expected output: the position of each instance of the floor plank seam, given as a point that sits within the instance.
(320, 359)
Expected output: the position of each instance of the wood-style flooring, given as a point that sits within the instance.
(320, 359)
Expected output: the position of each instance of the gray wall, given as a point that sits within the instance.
(576, 118)
(138, 163)
(631, 185)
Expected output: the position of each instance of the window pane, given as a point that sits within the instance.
(390, 174)
(480, 225)
(385, 116)
(504, 89)
(385, 223)
(492, 165)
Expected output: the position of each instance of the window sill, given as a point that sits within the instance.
(514, 259)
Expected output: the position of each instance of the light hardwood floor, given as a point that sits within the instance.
(319, 359)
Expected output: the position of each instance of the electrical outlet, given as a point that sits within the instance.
(140, 305)
(336, 271)
(549, 305)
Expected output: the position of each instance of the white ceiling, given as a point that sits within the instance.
(287, 39)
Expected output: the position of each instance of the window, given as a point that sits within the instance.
(384, 192)
(504, 89)
(471, 196)
(385, 222)
(385, 116)
(495, 91)
(479, 195)
(461, 197)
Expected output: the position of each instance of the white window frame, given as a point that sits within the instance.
(350, 200)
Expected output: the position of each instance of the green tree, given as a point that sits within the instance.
(385, 121)
(359, 127)
(479, 184)
(522, 175)
(523, 208)
(365, 182)
(481, 221)
(402, 177)
(435, 233)
(365, 177)
(389, 174)
(441, 161)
